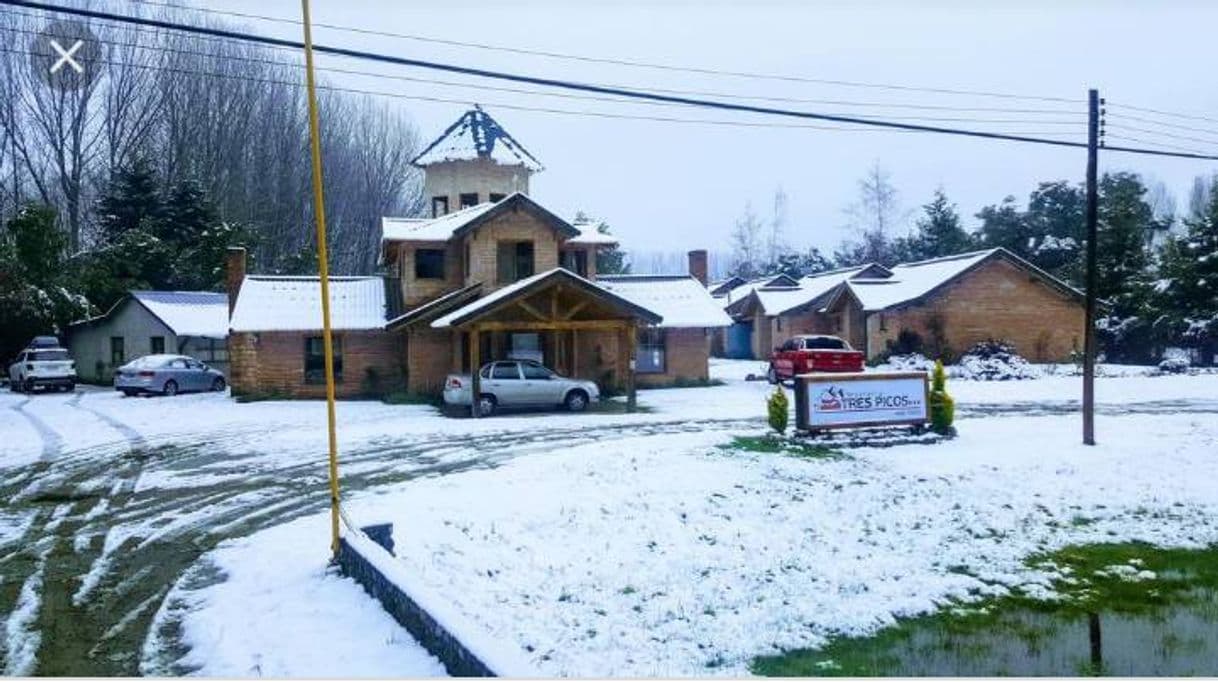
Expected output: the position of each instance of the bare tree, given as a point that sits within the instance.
(876, 215)
(776, 244)
(747, 247)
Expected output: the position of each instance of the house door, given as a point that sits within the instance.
(739, 344)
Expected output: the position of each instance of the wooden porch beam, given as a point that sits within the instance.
(532, 311)
(474, 366)
(551, 325)
(575, 309)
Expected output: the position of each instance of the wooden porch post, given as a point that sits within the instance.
(574, 353)
(474, 366)
(631, 364)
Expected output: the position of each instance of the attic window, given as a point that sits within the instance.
(496, 197)
(439, 206)
(429, 264)
(470, 199)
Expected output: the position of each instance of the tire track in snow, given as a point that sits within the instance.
(52, 443)
(97, 616)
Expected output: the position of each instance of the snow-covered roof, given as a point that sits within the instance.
(447, 226)
(477, 136)
(269, 303)
(680, 299)
(778, 300)
(913, 280)
(486, 302)
(189, 313)
(589, 235)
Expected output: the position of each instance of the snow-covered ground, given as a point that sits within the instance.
(612, 545)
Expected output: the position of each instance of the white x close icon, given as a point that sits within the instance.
(65, 56)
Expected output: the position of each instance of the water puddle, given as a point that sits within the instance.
(1128, 610)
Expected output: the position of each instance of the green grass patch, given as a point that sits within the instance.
(777, 445)
(1133, 580)
(408, 398)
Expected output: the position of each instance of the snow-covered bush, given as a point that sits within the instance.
(910, 362)
(994, 361)
(1176, 365)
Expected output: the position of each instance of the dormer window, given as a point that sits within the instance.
(470, 199)
(439, 206)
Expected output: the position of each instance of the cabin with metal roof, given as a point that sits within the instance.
(193, 323)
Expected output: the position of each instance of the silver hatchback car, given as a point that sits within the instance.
(167, 375)
(520, 383)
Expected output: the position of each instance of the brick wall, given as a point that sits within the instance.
(272, 363)
(511, 226)
(999, 301)
(482, 176)
(432, 354)
(418, 291)
(686, 358)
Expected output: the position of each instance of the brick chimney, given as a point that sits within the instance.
(697, 265)
(234, 274)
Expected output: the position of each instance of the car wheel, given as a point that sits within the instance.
(218, 385)
(486, 405)
(171, 388)
(129, 394)
(28, 387)
(577, 401)
(70, 387)
(771, 375)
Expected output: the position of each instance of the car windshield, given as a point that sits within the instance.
(824, 343)
(49, 355)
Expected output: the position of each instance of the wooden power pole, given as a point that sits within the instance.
(1093, 135)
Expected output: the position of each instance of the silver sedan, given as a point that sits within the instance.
(520, 383)
(167, 375)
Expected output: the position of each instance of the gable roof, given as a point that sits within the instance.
(781, 281)
(810, 290)
(188, 313)
(458, 223)
(912, 282)
(681, 300)
(523, 287)
(272, 303)
(719, 289)
(436, 307)
(477, 136)
(185, 313)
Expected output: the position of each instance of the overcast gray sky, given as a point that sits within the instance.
(682, 185)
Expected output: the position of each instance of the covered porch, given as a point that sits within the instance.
(568, 323)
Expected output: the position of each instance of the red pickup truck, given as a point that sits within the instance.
(812, 353)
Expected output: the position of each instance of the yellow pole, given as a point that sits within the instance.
(323, 267)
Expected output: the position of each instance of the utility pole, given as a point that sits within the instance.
(323, 270)
(1093, 143)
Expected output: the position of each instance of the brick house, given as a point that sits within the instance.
(489, 274)
(956, 300)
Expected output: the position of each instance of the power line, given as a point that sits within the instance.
(505, 105)
(736, 96)
(570, 85)
(620, 62)
(1186, 138)
(1161, 112)
(615, 100)
(1172, 126)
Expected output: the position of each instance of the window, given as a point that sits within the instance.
(117, 354)
(576, 261)
(470, 199)
(439, 206)
(315, 360)
(651, 351)
(215, 351)
(178, 363)
(779, 319)
(532, 370)
(824, 343)
(525, 346)
(157, 344)
(883, 323)
(515, 261)
(48, 356)
(496, 197)
(505, 370)
(429, 264)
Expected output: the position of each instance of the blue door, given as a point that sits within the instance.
(740, 341)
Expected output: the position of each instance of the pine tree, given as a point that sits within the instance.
(1188, 279)
(612, 260)
(132, 201)
(939, 232)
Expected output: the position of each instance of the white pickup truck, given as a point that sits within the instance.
(45, 367)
